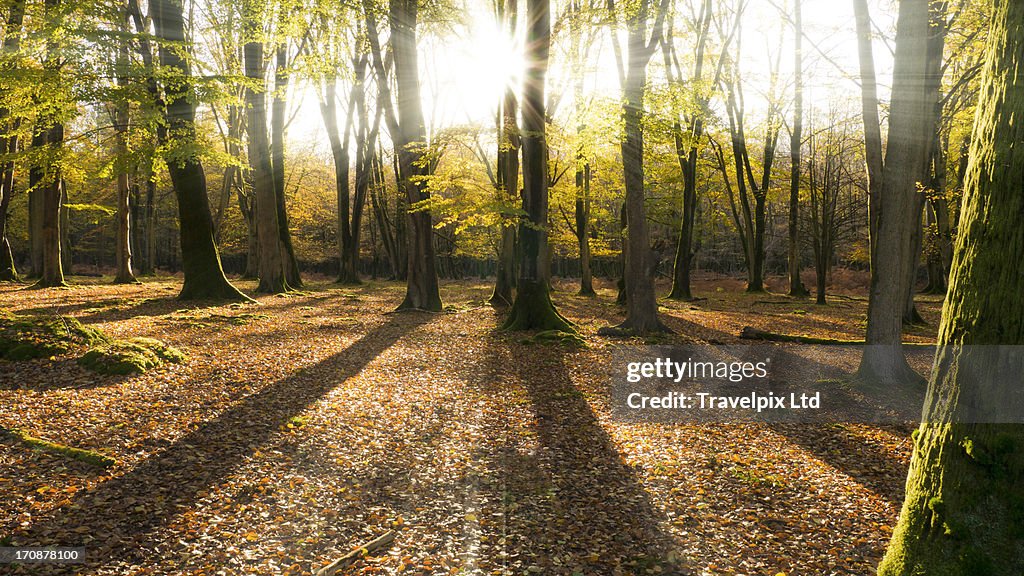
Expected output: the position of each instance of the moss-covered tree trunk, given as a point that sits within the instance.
(204, 277)
(906, 157)
(964, 509)
(532, 309)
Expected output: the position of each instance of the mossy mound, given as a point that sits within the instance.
(28, 337)
(133, 356)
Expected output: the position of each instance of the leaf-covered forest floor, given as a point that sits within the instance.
(306, 425)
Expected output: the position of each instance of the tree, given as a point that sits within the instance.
(753, 224)
(581, 228)
(279, 108)
(9, 144)
(906, 156)
(121, 127)
(869, 112)
(933, 87)
(796, 287)
(204, 277)
(271, 253)
(408, 132)
(145, 51)
(641, 303)
(507, 173)
(50, 142)
(962, 513)
(532, 309)
(830, 161)
(687, 143)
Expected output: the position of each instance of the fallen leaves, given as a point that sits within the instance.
(310, 424)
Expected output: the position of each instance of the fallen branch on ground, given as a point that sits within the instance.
(751, 333)
(375, 545)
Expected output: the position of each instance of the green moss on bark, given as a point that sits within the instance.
(533, 310)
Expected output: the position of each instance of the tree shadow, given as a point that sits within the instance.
(570, 503)
(831, 438)
(868, 464)
(59, 374)
(172, 481)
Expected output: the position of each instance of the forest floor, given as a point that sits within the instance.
(310, 423)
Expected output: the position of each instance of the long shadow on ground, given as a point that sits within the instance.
(170, 482)
(570, 504)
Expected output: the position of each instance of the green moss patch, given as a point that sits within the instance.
(134, 356)
(87, 456)
(28, 337)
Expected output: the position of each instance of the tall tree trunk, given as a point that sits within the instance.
(508, 170)
(640, 264)
(204, 277)
(796, 287)
(933, 87)
(910, 136)
(66, 255)
(146, 53)
(342, 161)
(268, 232)
(421, 280)
(150, 218)
(367, 136)
(247, 206)
(582, 201)
(232, 173)
(582, 210)
(910, 314)
(872, 124)
(52, 130)
(532, 309)
(8, 271)
(36, 176)
(9, 144)
(687, 156)
(279, 109)
(124, 232)
(385, 226)
(962, 513)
